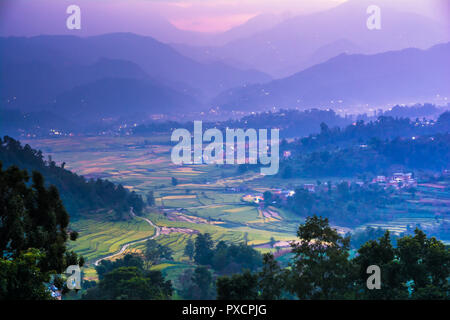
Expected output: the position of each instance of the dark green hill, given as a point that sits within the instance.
(80, 196)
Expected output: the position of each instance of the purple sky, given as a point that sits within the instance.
(33, 17)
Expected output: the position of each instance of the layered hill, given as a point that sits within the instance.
(404, 77)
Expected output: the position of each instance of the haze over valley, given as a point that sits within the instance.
(114, 115)
(324, 59)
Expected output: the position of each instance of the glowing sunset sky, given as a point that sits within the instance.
(221, 15)
(32, 17)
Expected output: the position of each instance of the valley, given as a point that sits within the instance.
(206, 198)
(251, 150)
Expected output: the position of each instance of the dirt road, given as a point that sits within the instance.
(125, 246)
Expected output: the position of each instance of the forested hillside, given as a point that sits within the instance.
(371, 148)
(79, 195)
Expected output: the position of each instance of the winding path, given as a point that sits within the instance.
(125, 246)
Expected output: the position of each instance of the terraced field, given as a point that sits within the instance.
(99, 238)
(429, 208)
(200, 202)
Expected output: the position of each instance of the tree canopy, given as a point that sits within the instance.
(33, 235)
(78, 194)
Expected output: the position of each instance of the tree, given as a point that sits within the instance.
(130, 260)
(329, 187)
(131, 283)
(270, 279)
(267, 284)
(419, 267)
(431, 292)
(174, 181)
(33, 235)
(324, 130)
(238, 287)
(203, 249)
(303, 201)
(245, 238)
(321, 269)
(268, 197)
(22, 279)
(150, 199)
(185, 285)
(425, 262)
(360, 237)
(228, 259)
(287, 172)
(154, 252)
(189, 250)
(343, 190)
(197, 284)
(272, 242)
(221, 257)
(382, 254)
(203, 279)
(77, 194)
(136, 202)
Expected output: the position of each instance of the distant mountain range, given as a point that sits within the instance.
(36, 70)
(137, 18)
(31, 84)
(116, 75)
(405, 76)
(116, 97)
(303, 41)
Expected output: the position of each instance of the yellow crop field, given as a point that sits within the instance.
(234, 210)
(179, 197)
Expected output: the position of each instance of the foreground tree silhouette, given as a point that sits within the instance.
(189, 250)
(131, 283)
(418, 268)
(271, 279)
(197, 284)
(380, 252)
(155, 252)
(203, 249)
(33, 235)
(321, 268)
(267, 284)
(238, 287)
(127, 279)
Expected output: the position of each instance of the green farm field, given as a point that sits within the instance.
(199, 202)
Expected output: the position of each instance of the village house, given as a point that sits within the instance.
(286, 154)
(278, 194)
(310, 187)
(397, 181)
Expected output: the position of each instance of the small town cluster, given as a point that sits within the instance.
(397, 181)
